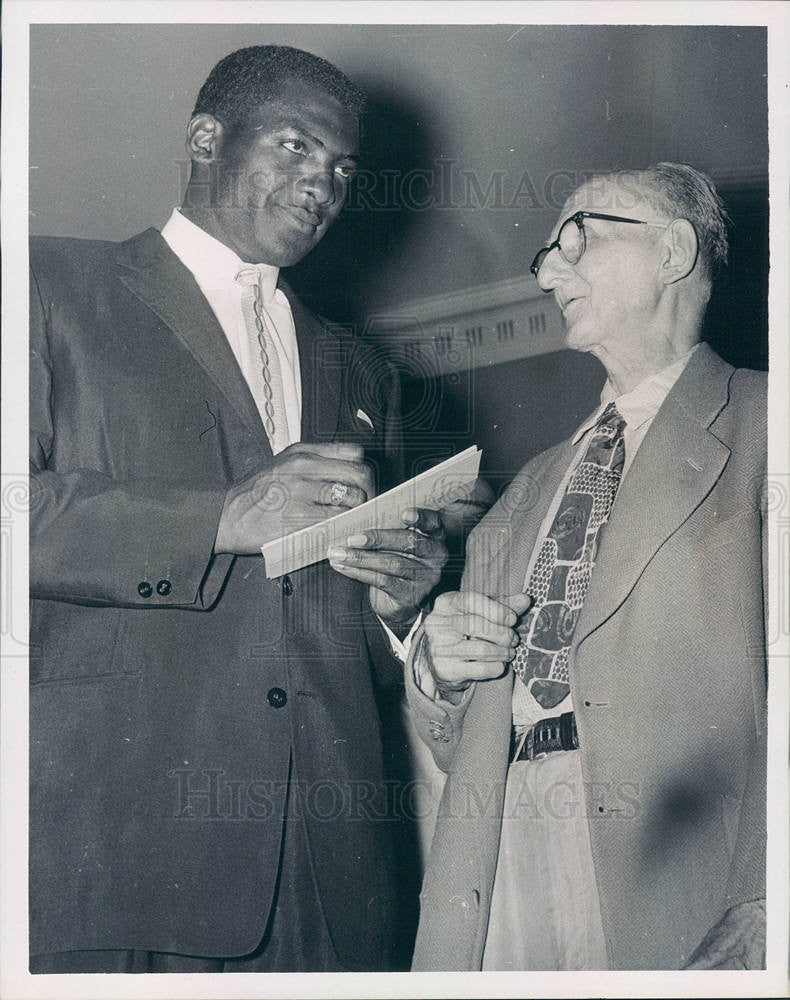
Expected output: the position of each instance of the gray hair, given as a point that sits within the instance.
(683, 192)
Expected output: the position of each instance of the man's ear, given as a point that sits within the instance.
(681, 249)
(204, 137)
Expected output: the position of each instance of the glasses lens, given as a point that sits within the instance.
(571, 240)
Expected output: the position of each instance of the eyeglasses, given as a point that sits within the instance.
(572, 241)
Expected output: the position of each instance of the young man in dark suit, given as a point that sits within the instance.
(206, 775)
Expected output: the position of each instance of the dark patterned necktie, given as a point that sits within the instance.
(562, 570)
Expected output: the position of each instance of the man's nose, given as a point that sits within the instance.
(320, 183)
(553, 270)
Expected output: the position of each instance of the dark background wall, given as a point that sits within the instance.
(475, 136)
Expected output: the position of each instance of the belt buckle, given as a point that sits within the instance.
(536, 732)
(555, 733)
(529, 742)
(525, 748)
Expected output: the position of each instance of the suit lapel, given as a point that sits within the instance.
(507, 535)
(676, 467)
(152, 272)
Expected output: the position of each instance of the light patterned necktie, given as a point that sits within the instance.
(265, 377)
(562, 570)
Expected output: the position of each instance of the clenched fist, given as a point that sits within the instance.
(471, 637)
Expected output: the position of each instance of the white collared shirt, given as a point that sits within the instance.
(214, 267)
(638, 408)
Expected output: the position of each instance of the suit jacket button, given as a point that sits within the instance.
(276, 697)
(163, 588)
(288, 587)
(145, 589)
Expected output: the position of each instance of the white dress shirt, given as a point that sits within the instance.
(214, 267)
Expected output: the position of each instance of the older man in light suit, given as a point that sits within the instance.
(206, 753)
(596, 691)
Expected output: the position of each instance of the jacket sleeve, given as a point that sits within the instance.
(103, 541)
(439, 723)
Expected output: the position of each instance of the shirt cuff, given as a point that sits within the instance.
(401, 647)
(421, 673)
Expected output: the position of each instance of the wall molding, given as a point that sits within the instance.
(472, 327)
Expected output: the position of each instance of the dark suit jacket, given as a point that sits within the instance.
(667, 673)
(173, 692)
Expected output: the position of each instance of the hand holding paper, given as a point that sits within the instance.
(402, 565)
(394, 543)
(298, 486)
(430, 490)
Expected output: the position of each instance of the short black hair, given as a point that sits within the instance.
(247, 78)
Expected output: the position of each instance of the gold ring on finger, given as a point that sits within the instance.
(338, 494)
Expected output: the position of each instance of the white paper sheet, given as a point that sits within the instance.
(433, 489)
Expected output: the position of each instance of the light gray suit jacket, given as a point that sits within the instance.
(667, 674)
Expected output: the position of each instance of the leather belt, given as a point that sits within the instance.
(546, 736)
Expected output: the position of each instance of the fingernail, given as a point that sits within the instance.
(410, 516)
(357, 540)
(338, 555)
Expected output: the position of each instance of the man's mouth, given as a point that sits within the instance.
(305, 218)
(565, 303)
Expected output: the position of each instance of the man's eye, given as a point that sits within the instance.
(295, 146)
(345, 170)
